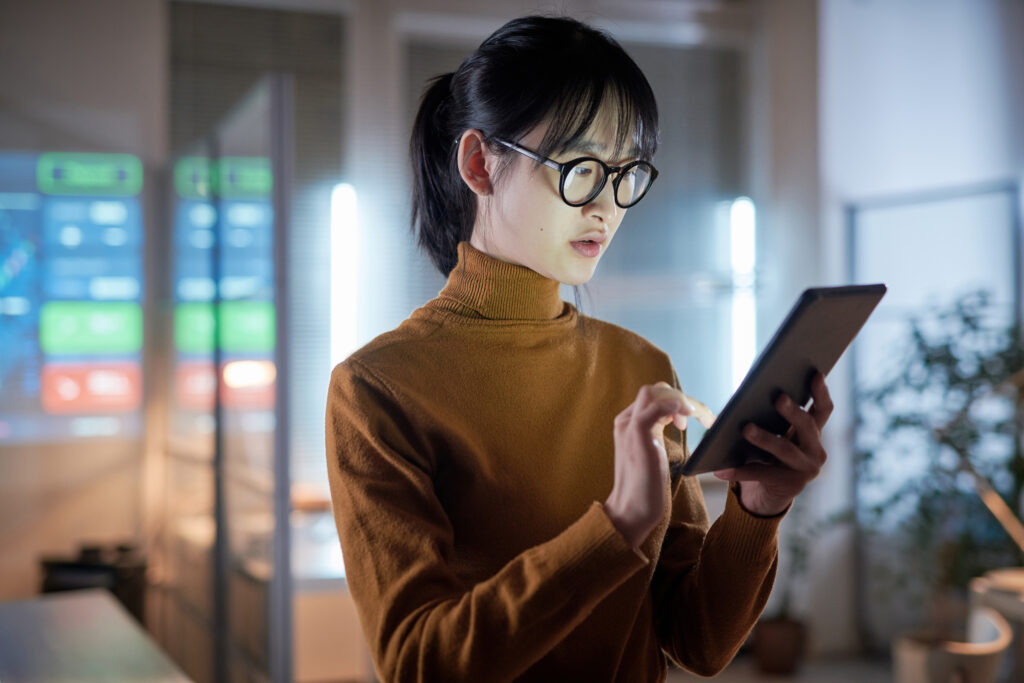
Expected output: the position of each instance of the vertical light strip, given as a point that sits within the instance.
(346, 248)
(743, 255)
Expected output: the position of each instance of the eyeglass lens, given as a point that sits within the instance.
(583, 181)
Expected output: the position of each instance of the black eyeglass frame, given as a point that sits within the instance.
(563, 170)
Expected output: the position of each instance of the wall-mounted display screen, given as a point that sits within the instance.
(71, 291)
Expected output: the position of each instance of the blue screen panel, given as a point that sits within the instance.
(71, 292)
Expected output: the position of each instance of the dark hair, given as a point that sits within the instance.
(530, 68)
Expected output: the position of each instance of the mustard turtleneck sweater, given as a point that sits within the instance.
(469, 451)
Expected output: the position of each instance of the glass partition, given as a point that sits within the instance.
(227, 469)
(189, 556)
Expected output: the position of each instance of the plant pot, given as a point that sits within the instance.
(779, 645)
(925, 657)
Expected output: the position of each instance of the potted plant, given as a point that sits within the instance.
(942, 424)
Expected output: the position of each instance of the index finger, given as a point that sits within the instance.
(701, 412)
(663, 391)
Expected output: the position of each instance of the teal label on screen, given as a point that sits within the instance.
(77, 173)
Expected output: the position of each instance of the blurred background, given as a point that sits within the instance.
(204, 206)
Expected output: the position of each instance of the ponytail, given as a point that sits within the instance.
(443, 207)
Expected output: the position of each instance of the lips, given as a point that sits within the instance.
(587, 248)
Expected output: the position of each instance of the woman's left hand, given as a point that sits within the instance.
(769, 489)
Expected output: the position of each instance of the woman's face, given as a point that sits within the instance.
(524, 221)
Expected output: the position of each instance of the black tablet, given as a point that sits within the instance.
(812, 337)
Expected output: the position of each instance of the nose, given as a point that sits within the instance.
(603, 208)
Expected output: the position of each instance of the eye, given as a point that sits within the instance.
(582, 170)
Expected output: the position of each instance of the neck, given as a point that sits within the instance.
(485, 286)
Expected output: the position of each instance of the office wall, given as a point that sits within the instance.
(86, 76)
(918, 95)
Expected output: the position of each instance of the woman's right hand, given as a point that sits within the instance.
(640, 493)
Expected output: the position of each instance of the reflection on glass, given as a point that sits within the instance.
(223, 223)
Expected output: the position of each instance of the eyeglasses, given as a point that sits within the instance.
(583, 179)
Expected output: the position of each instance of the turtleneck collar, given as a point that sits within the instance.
(481, 285)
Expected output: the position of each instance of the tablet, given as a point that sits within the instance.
(813, 336)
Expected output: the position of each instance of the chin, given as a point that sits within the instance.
(578, 279)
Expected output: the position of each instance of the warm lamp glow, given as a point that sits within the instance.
(249, 374)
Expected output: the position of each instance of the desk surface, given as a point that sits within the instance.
(78, 636)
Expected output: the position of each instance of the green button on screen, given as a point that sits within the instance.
(90, 327)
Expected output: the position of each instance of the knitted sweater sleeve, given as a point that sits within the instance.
(711, 585)
(421, 621)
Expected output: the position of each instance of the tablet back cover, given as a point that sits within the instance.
(813, 336)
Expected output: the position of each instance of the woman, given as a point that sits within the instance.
(499, 463)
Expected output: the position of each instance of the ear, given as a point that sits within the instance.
(475, 162)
